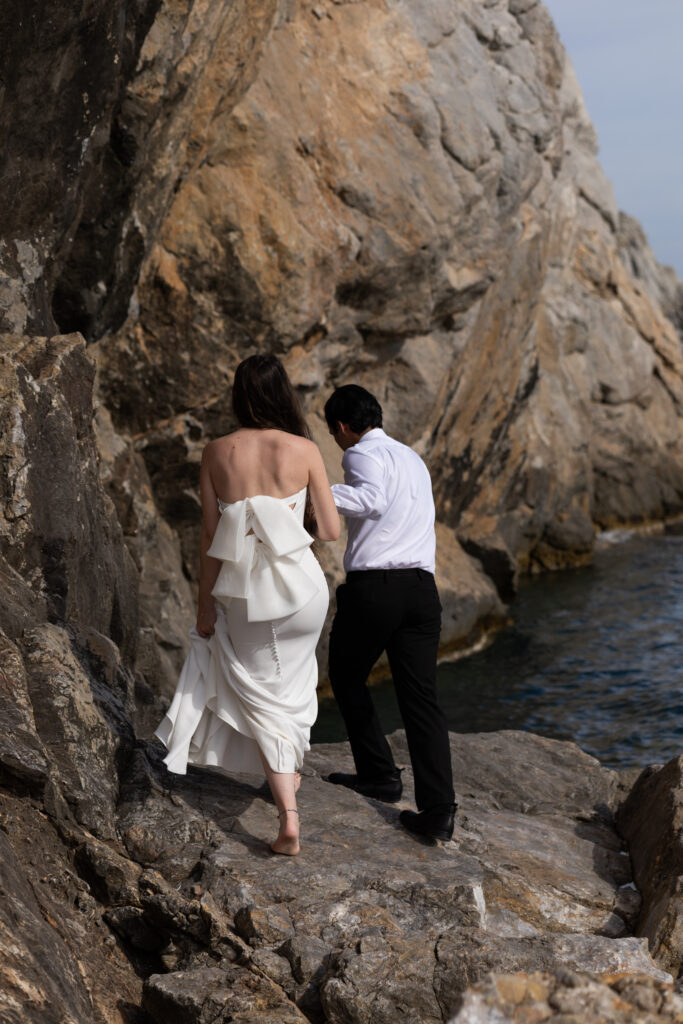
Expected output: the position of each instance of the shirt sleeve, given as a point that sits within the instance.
(363, 495)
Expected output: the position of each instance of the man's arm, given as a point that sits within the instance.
(363, 495)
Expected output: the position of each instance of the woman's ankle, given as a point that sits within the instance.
(289, 822)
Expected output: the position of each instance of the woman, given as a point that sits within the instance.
(247, 692)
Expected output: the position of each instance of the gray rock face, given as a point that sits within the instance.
(367, 922)
(59, 534)
(38, 971)
(101, 114)
(59, 960)
(165, 597)
(651, 820)
(80, 742)
(432, 222)
(23, 758)
(63, 73)
(440, 229)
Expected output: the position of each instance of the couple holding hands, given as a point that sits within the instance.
(246, 697)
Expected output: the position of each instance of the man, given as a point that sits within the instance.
(389, 602)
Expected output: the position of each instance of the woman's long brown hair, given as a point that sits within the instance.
(263, 398)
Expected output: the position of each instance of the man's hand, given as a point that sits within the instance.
(206, 620)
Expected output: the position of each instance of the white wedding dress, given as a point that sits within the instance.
(252, 685)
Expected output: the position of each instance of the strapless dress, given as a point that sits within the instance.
(251, 687)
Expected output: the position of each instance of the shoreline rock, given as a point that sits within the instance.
(651, 821)
(182, 906)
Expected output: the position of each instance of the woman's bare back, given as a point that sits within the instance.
(250, 462)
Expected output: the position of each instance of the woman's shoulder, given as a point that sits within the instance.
(294, 442)
(269, 435)
(228, 440)
(244, 440)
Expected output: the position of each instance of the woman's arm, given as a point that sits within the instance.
(208, 567)
(328, 525)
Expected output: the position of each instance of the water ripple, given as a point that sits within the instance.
(594, 655)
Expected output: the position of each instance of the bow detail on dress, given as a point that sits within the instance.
(264, 566)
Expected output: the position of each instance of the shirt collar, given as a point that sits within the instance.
(370, 436)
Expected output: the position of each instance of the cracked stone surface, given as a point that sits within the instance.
(402, 194)
(180, 907)
(520, 998)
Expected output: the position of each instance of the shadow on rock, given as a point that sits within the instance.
(169, 821)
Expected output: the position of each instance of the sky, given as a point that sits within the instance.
(628, 59)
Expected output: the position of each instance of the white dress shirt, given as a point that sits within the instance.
(388, 505)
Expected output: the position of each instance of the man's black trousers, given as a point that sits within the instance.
(397, 610)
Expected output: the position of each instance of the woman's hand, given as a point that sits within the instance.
(206, 620)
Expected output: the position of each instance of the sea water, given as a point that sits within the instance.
(594, 655)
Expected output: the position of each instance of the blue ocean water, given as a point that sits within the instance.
(594, 655)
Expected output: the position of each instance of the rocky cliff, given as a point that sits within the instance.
(131, 897)
(407, 195)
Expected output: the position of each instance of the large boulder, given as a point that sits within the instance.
(59, 959)
(651, 822)
(40, 975)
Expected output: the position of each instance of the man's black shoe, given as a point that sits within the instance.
(389, 790)
(433, 823)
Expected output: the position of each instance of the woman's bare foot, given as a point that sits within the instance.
(287, 841)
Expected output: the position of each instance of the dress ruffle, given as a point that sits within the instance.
(261, 548)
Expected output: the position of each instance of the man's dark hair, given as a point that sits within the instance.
(353, 405)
